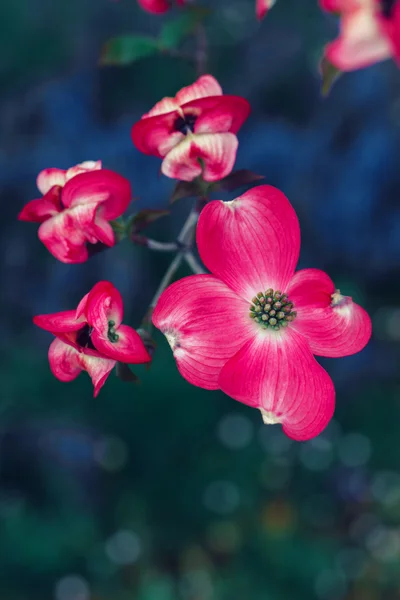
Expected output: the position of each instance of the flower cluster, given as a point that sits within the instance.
(252, 326)
(369, 32)
(92, 338)
(195, 132)
(76, 208)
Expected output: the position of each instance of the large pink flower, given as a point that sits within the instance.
(76, 208)
(92, 337)
(262, 7)
(158, 7)
(195, 132)
(369, 32)
(252, 326)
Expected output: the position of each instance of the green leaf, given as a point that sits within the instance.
(186, 189)
(148, 342)
(329, 75)
(145, 217)
(236, 180)
(176, 30)
(119, 229)
(124, 373)
(126, 49)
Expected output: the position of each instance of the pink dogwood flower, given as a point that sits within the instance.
(158, 7)
(262, 7)
(251, 328)
(92, 337)
(76, 208)
(195, 132)
(369, 32)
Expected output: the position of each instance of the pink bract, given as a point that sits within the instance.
(262, 7)
(251, 327)
(193, 132)
(92, 338)
(76, 208)
(369, 32)
(158, 7)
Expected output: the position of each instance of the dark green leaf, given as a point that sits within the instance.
(126, 49)
(119, 228)
(148, 342)
(144, 217)
(186, 189)
(236, 180)
(176, 30)
(124, 373)
(329, 74)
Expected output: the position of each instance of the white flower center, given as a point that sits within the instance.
(269, 417)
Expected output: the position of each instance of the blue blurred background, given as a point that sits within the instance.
(163, 491)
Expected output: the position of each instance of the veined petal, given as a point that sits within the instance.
(64, 361)
(218, 114)
(87, 165)
(37, 211)
(98, 370)
(129, 347)
(81, 307)
(66, 234)
(276, 372)
(63, 321)
(98, 187)
(262, 7)
(164, 106)
(251, 243)
(205, 324)
(156, 7)
(206, 85)
(103, 230)
(50, 177)
(155, 135)
(333, 324)
(104, 304)
(217, 151)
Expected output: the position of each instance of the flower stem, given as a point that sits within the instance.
(142, 240)
(184, 241)
(194, 263)
(166, 280)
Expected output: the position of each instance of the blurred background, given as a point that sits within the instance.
(162, 491)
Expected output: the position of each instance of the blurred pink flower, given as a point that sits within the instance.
(369, 32)
(158, 7)
(262, 7)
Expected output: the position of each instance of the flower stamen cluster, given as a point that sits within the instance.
(272, 310)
